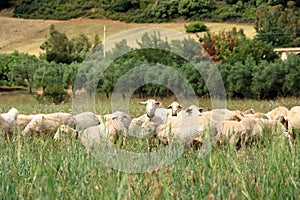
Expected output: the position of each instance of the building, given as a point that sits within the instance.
(284, 52)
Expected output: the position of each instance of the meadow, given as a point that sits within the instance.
(39, 168)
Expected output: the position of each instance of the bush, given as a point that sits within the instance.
(55, 94)
(195, 27)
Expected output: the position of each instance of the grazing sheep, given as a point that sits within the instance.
(187, 130)
(293, 120)
(223, 115)
(255, 128)
(64, 130)
(250, 111)
(256, 115)
(231, 131)
(8, 121)
(280, 113)
(135, 127)
(85, 120)
(23, 120)
(115, 123)
(48, 123)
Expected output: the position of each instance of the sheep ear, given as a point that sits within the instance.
(188, 110)
(179, 106)
(169, 106)
(143, 103)
(201, 109)
(158, 103)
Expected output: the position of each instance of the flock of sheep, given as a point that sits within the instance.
(190, 125)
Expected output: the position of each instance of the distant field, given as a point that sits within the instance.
(26, 35)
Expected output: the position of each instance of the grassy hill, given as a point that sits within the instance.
(26, 35)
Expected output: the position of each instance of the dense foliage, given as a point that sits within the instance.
(249, 68)
(147, 10)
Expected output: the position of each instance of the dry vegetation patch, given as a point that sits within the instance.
(26, 35)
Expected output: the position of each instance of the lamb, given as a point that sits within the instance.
(115, 123)
(48, 123)
(8, 121)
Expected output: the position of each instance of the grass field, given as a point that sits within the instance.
(26, 35)
(39, 168)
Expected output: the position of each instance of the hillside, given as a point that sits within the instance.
(26, 35)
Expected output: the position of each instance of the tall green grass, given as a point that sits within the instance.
(39, 168)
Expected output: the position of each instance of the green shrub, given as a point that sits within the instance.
(195, 27)
(55, 94)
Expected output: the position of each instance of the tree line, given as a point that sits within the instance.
(149, 10)
(249, 67)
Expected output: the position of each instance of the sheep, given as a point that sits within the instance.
(8, 121)
(255, 128)
(293, 120)
(187, 130)
(64, 130)
(223, 115)
(48, 123)
(256, 115)
(280, 113)
(174, 108)
(231, 131)
(85, 120)
(82, 121)
(135, 127)
(250, 111)
(23, 120)
(114, 124)
(192, 110)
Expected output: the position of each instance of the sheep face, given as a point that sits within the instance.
(175, 107)
(151, 105)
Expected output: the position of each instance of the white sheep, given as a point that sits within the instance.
(187, 130)
(48, 123)
(231, 131)
(173, 109)
(280, 113)
(154, 114)
(85, 120)
(293, 119)
(192, 110)
(64, 130)
(23, 120)
(255, 128)
(115, 123)
(223, 115)
(8, 121)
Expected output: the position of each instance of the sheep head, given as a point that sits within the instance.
(151, 105)
(175, 107)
